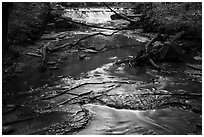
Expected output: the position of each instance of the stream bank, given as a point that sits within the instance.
(83, 91)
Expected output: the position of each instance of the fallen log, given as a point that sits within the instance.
(74, 44)
(33, 54)
(122, 16)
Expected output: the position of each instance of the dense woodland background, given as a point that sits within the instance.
(28, 20)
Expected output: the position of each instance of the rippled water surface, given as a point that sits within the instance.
(107, 118)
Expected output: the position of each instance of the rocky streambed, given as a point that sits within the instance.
(83, 91)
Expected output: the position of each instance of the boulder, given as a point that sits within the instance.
(83, 56)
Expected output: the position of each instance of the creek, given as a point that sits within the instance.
(107, 118)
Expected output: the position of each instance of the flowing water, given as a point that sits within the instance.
(107, 119)
(113, 121)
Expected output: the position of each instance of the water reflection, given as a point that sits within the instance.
(109, 120)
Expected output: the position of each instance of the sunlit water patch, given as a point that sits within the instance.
(107, 120)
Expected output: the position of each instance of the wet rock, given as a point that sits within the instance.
(19, 68)
(51, 63)
(90, 51)
(53, 68)
(60, 76)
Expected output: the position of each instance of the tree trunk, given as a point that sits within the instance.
(6, 7)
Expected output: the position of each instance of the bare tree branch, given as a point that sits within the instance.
(71, 45)
(122, 16)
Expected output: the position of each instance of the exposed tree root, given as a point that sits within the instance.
(154, 64)
(150, 52)
(147, 46)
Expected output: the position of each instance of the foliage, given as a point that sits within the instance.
(26, 21)
(173, 16)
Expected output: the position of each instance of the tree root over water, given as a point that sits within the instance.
(166, 51)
